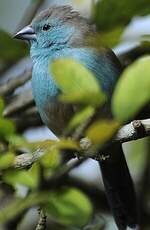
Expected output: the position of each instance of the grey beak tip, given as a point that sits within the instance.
(27, 33)
(16, 36)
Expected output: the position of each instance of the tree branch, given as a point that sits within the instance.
(133, 131)
(12, 84)
(19, 103)
(27, 159)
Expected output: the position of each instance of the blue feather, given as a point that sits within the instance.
(45, 89)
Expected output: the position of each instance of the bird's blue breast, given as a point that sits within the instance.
(45, 91)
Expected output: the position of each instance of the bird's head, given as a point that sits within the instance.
(56, 28)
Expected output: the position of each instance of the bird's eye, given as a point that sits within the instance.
(46, 27)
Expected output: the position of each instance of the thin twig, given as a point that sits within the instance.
(19, 103)
(11, 85)
(42, 220)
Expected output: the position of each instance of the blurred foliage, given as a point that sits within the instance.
(20, 204)
(101, 131)
(7, 127)
(105, 38)
(110, 14)
(1, 106)
(81, 87)
(65, 207)
(111, 37)
(80, 117)
(28, 178)
(10, 50)
(125, 102)
(6, 160)
(69, 207)
(111, 18)
(51, 159)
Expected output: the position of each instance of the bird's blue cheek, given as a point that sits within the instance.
(62, 34)
(56, 36)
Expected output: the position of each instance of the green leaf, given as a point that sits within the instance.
(7, 128)
(132, 91)
(34, 173)
(102, 131)
(6, 160)
(51, 159)
(1, 106)
(81, 117)
(18, 205)
(67, 144)
(27, 178)
(17, 141)
(120, 12)
(77, 83)
(70, 207)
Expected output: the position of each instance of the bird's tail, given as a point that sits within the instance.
(119, 187)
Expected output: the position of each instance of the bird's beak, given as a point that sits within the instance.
(27, 33)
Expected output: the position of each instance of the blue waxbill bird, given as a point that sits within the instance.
(61, 32)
